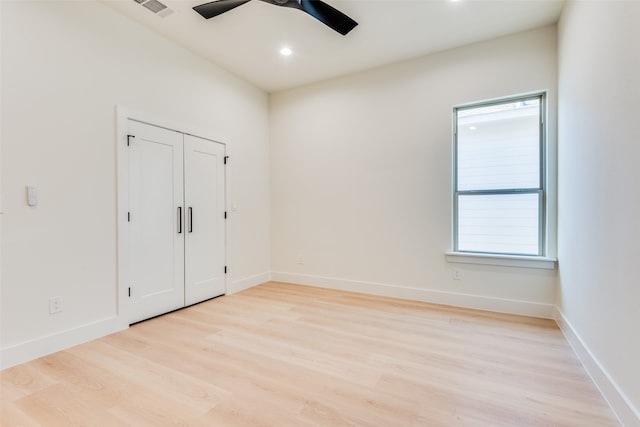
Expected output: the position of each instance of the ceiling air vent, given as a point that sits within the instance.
(156, 7)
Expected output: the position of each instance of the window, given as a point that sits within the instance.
(499, 170)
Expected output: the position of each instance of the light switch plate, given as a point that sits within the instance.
(32, 196)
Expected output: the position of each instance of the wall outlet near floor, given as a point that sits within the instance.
(457, 273)
(55, 305)
(300, 259)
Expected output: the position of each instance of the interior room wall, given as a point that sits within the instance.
(599, 202)
(65, 67)
(361, 176)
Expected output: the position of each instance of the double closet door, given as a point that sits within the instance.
(176, 220)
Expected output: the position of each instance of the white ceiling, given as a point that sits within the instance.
(247, 39)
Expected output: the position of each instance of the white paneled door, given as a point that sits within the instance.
(176, 220)
(205, 219)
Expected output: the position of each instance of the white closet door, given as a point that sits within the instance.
(205, 222)
(156, 228)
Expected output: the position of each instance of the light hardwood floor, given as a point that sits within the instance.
(286, 355)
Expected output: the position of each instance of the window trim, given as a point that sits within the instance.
(539, 262)
(478, 257)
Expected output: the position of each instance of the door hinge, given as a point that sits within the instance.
(225, 269)
(226, 159)
(129, 139)
(128, 216)
(129, 292)
(225, 214)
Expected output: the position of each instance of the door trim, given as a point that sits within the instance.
(123, 115)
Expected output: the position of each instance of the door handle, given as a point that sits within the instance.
(190, 219)
(179, 219)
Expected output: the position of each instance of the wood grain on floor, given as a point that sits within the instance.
(288, 355)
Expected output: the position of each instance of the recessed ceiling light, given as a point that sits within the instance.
(286, 51)
(472, 128)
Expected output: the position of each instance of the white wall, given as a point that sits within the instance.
(65, 67)
(361, 176)
(599, 201)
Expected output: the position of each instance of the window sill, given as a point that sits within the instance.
(502, 260)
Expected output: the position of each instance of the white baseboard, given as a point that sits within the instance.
(248, 282)
(33, 349)
(38, 347)
(628, 415)
(501, 305)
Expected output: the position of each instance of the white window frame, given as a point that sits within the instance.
(504, 259)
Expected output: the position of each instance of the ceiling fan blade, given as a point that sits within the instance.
(328, 15)
(215, 8)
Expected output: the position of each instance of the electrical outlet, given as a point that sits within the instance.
(457, 273)
(55, 305)
(300, 259)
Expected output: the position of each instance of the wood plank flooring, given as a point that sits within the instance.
(286, 355)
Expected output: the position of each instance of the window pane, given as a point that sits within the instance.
(498, 146)
(504, 223)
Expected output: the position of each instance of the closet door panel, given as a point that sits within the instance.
(205, 219)
(155, 202)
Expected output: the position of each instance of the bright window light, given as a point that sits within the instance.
(499, 181)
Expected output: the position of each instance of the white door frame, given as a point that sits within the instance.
(123, 256)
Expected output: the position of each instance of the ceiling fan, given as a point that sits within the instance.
(320, 10)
